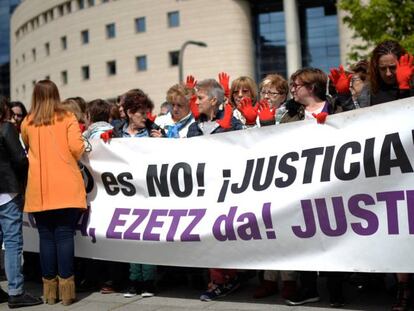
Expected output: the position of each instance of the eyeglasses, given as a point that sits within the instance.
(293, 85)
(269, 93)
(18, 115)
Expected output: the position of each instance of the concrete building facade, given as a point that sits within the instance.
(102, 48)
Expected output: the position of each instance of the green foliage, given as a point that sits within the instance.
(377, 20)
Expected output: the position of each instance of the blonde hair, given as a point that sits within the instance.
(45, 104)
(243, 82)
(276, 81)
(72, 105)
(179, 90)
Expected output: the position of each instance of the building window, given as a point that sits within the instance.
(64, 42)
(140, 24)
(68, 7)
(23, 57)
(174, 55)
(61, 10)
(320, 44)
(141, 63)
(173, 19)
(45, 17)
(34, 54)
(24, 89)
(85, 36)
(270, 41)
(64, 77)
(33, 83)
(17, 62)
(85, 72)
(110, 31)
(47, 48)
(91, 3)
(111, 68)
(47, 77)
(81, 4)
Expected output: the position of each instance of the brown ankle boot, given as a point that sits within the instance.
(50, 290)
(67, 290)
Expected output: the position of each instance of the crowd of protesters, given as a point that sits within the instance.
(42, 173)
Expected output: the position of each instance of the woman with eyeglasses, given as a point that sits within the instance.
(243, 96)
(308, 89)
(18, 113)
(274, 90)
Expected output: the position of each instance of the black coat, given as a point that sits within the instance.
(13, 160)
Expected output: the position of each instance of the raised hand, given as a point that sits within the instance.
(320, 117)
(340, 79)
(194, 107)
(106, 136)
(224, 80)
(405, 70)
(151, 117)
(249, 112)
(265, 112)
(225, 122)
(190, 82)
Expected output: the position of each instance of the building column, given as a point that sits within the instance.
(293, 48)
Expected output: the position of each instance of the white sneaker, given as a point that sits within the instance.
(146, 294)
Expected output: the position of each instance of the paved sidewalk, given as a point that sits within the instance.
(183, 298)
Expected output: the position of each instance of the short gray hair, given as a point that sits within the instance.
(212, 88)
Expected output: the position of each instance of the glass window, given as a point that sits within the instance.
(64, 77)
(47, 48)
(81, 4)
(320, 44)
(85, 72)
(111, 68)
(174, 56)
(91, 3)
(270, 41)
(140, 24)
(47, 77)
(85, 36)
(64, 42)
(173, 19)
(141, 63)
(61, 10)
(23, 57)
(34, 54)
(110, 31)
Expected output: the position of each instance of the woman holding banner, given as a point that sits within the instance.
(308, 88)
(137, 107)
(55, 191)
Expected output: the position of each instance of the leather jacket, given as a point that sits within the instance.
(13, 160)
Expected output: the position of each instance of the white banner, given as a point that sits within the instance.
(337, 196)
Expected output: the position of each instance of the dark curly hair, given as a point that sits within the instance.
(135, 100)
(384, 48)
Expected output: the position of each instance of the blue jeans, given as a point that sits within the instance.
(56, 231)
(11, 219)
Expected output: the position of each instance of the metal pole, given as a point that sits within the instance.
(181, 57)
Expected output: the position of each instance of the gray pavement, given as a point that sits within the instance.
(184, 298)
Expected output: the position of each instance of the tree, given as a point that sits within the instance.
(377, 20)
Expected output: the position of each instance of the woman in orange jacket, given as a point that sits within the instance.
(55, 192)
